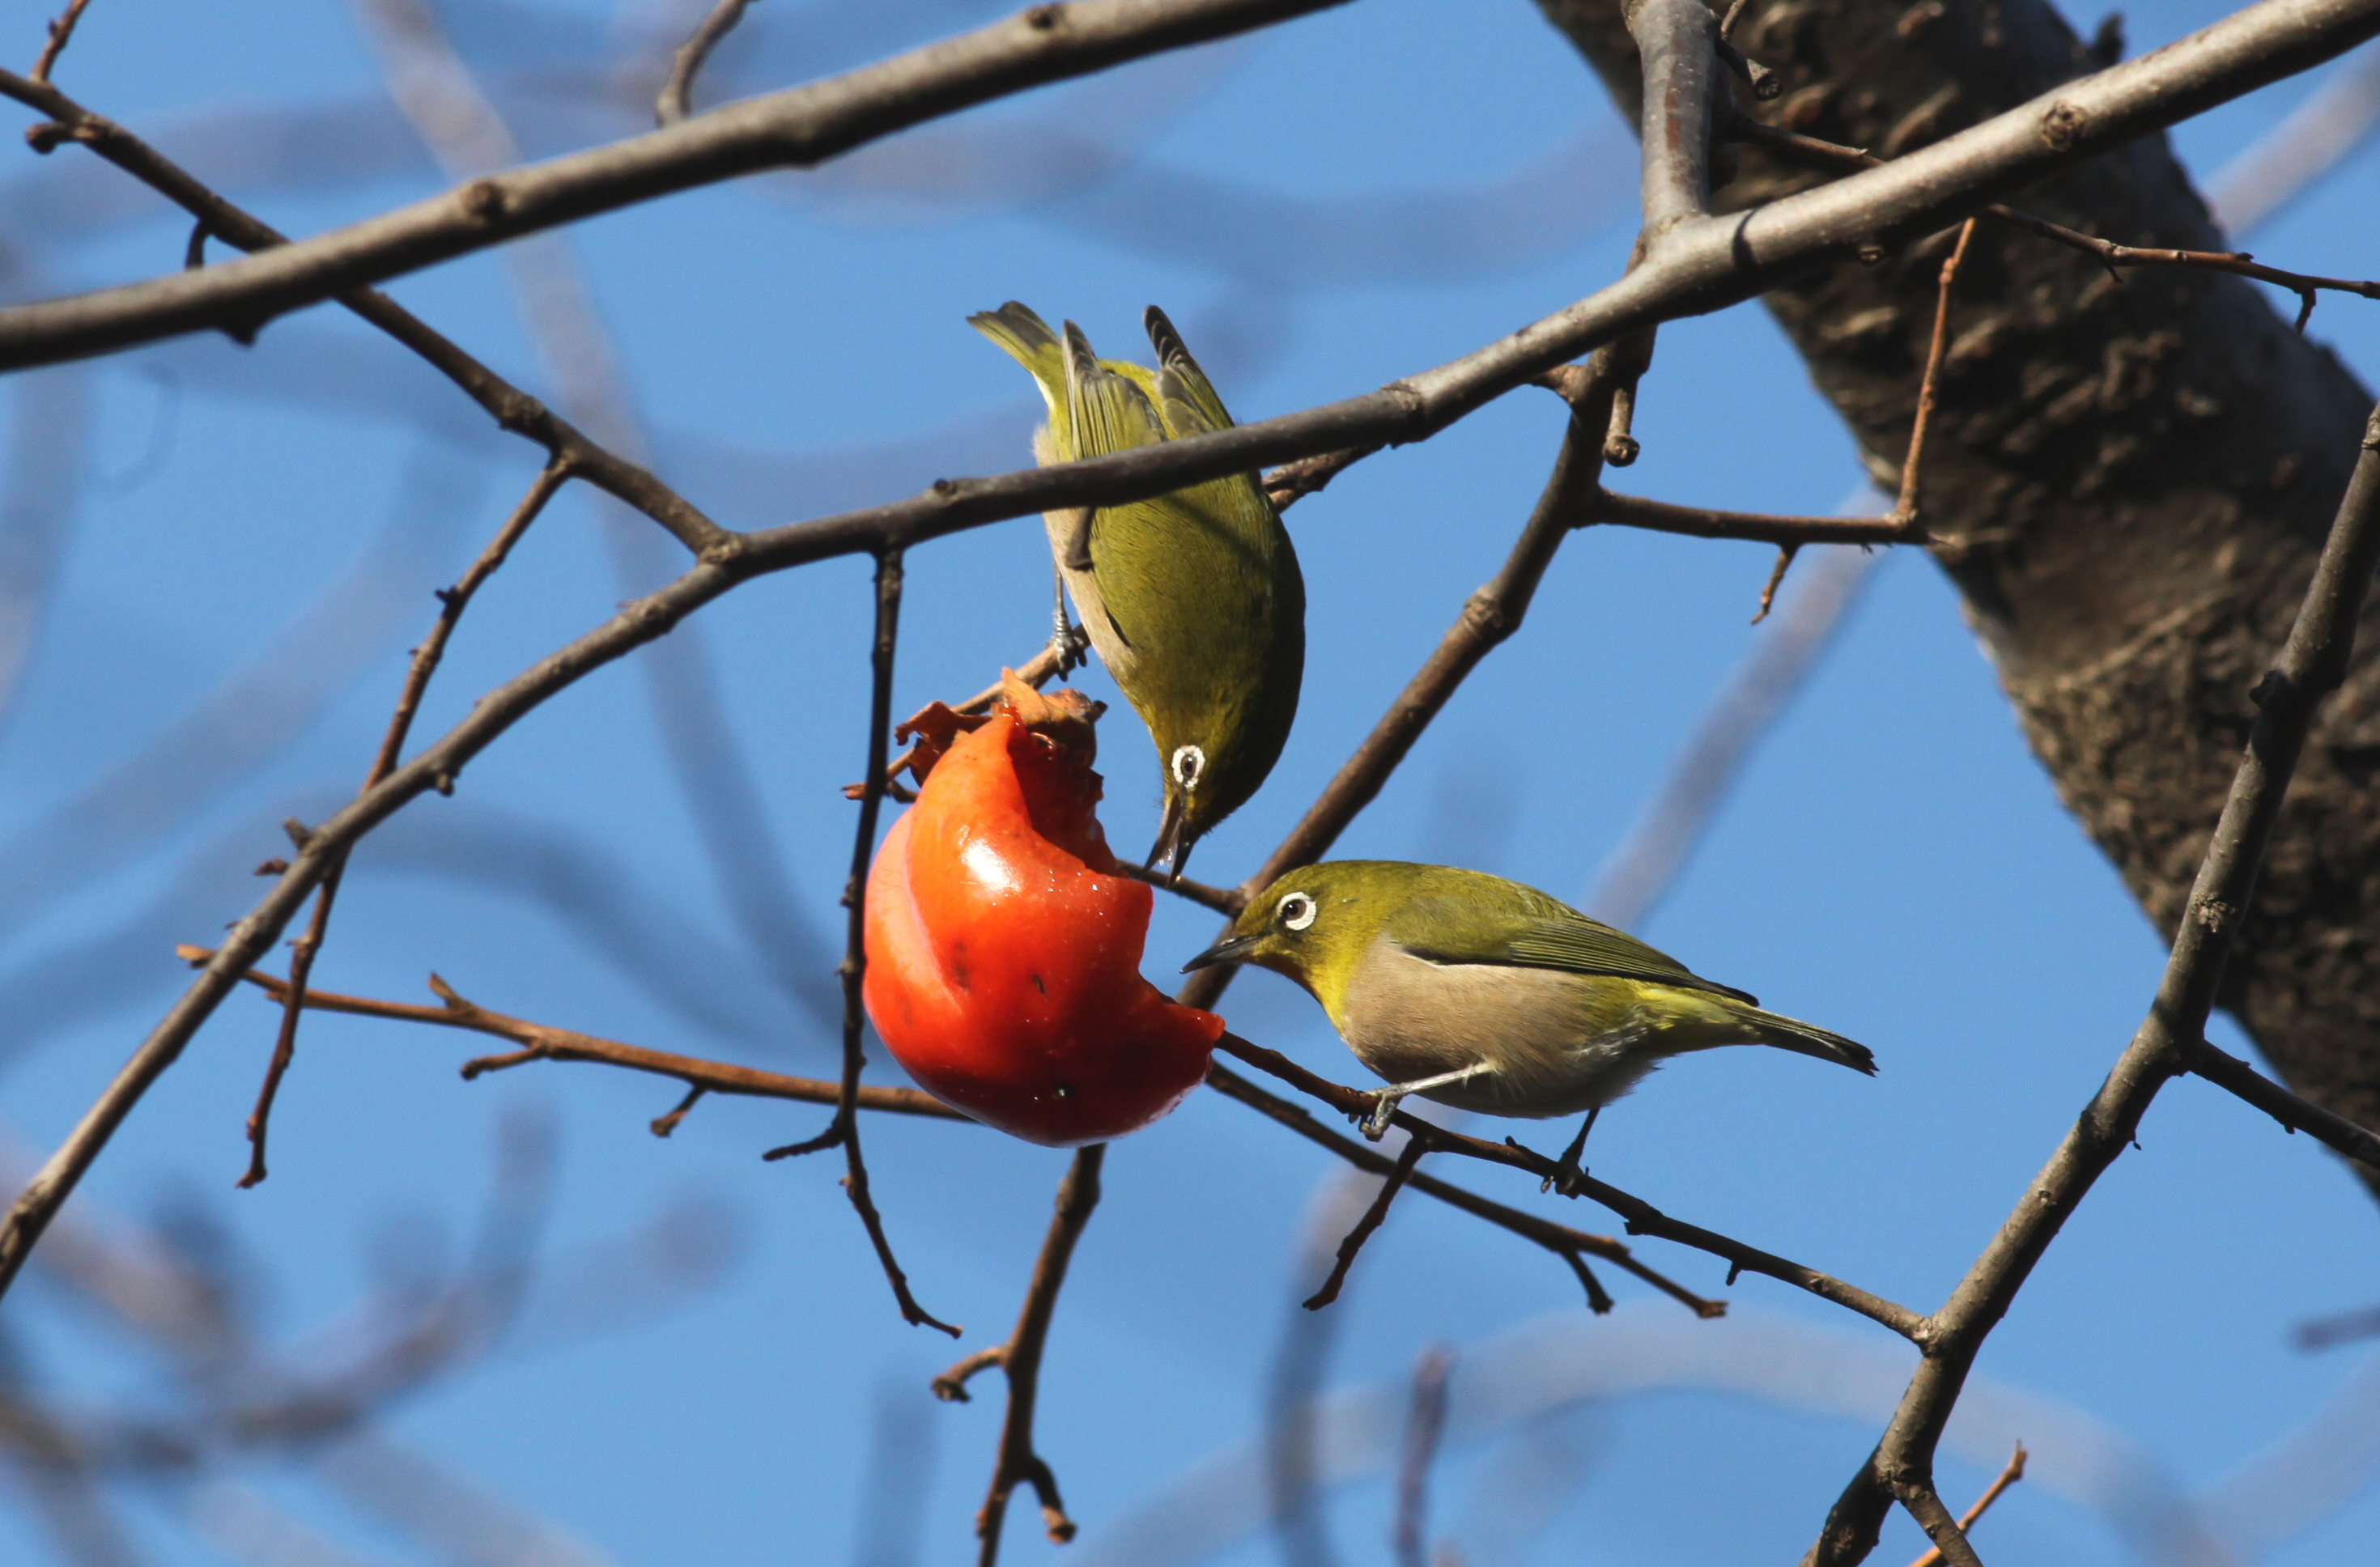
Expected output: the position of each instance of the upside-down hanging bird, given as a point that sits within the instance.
(1487, 995)
(1192, 598)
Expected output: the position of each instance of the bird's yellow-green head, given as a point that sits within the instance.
(1193, 597)
(1314, 924)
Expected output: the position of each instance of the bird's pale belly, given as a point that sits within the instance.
(1560, 1043)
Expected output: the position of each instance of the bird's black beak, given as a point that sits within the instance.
(1172, 851)
(1230, 948)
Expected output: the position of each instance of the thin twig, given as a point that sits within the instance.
(686, 63)
(1932, 1556)
(1924, 1504)
(1424, 1423)
(542, 1042)
(2340, 1135)
(1020, 1361)
(1559, 1239)
(1372, 1220)
(1614, 508)
(1292, 482)
(1905, 522)
(842, 1131)
(2106, 252)
(512, 408)
(1225, 901)
(1904, 510)
(61, 32)
(452, 603)
(1641, 1217)
(2168, 1042)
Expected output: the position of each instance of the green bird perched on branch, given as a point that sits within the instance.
(1486, 995)
(1193, 597)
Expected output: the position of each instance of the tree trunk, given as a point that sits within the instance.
(2131, 480)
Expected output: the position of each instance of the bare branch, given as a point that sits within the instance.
(2109, 254)
(1292, 482)
(1373, 1217)
(800, 127)
(2340, 1135)
(542, 1042)
(2168, 1042)
(2008, 1476)
(1641, 1217)
(1904, 511)
(452, 603)
(688, 61)
(1020, 1361)
(511, 407)
(1676, 41)
(1698, 264)
(1949, 1538)
(1700, 522)
(61, 33)
(1559, 1239)
(844, 1130)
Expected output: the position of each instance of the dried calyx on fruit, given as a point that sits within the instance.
(1003, 950)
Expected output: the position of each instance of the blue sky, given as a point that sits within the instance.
(1342, 200)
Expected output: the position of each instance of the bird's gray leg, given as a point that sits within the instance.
(1070, 644)
(1567, 1169)
(1376, 1126)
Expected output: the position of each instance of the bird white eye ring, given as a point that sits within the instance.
(1189, 766)
(1296, 911)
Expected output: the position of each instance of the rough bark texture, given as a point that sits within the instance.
(2132, 480)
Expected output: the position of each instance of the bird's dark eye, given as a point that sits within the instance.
(1296, 911)
(1189, 765)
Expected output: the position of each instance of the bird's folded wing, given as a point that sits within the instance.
(1108, 412)
(1567, 941)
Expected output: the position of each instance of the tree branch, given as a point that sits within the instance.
(1561, 1239)
(452, 603)
(2169, 1039)
(842, 1131)
(1020, 1360)
(688, 61)
(2009, 1476)
(511, 407)
(1677, 46)
(2109, 254)
(541, 1042)
(1701, 522)
(2340, 1135)
(800, 127)
(1641, 1217)
(1373, 1217)
(61, 32)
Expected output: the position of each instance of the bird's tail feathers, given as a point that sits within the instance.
(1791, 1034)
(1027, 339)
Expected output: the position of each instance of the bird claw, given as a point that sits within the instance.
(1565, 1178)
(1384, 1110)
(1070, 647)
